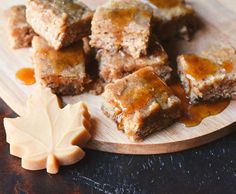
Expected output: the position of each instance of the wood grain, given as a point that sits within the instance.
(218, 18)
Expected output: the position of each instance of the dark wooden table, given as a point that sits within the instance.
(208, 169)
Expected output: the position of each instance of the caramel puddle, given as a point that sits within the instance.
(192, 115)
(26, 76)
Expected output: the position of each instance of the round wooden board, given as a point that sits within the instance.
(106, 137)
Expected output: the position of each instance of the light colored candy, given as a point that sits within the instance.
(47, 136)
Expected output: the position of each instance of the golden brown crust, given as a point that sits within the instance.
(64, 86)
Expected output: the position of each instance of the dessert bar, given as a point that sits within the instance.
(122, 25)
(60, 22)
(21, 33)
(140, 104)
(210, 75)
(63, 71)
(173, 18)
(114, 66)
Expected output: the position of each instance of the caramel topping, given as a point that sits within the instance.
(65, 58)
(192, 115)
(228, 66)
(166, 3)
(26, 75)
(147, 86)
(121, 18)
(67, 5)
(199, 68)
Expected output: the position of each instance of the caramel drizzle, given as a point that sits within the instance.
(199, 68)
(192, 115)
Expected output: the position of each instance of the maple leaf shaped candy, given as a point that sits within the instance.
(47, 136)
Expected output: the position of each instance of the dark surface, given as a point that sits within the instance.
(208, 169)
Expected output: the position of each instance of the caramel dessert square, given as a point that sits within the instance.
(21, 33)
(63, 71)
(210, 75)
(173, 18)
(140, 104)
(122, 24)
(114, 66)
(60, 22)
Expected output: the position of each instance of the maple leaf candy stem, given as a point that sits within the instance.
(52, 164)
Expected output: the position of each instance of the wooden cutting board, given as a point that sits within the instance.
(218, 17)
